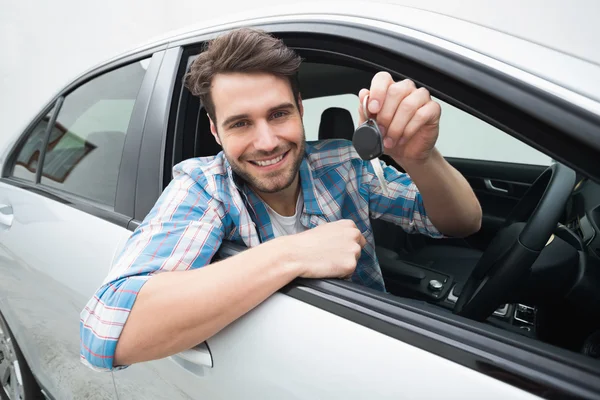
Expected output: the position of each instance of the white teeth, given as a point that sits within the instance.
(270, 162)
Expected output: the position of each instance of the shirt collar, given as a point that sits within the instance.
(309, 190)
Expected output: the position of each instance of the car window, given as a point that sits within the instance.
(314, 108)
(461, 134)
(465, 136)
(28, 158)
(84, 150)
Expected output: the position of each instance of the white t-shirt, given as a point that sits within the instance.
(287, 225)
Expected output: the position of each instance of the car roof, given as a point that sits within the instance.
(550, 41)
(550, 62)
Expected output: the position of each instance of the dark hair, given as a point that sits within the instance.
(244, 50)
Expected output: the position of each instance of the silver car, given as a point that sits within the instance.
(510, 312)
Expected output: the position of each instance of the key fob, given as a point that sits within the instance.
(367, 140)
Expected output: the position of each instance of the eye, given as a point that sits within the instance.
(279, 114)
(239, 124)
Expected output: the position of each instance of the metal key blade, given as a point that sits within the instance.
(379, 173)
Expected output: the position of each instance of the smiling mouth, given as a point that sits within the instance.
(266, 163)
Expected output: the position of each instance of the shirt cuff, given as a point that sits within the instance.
(102, 321)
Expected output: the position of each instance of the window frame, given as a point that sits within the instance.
(489, 350)
(122, 211)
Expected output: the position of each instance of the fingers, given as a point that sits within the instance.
(394, 106)
(379, 87)
(396, 95)
(356, 234)
(405, 114)
(361, 240)
(427, 114)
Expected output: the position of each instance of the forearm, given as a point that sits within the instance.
(448, 198)
(176, 310)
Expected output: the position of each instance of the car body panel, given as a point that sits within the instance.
(41, 298)
(287, 349)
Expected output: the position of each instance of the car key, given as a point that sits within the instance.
(368, 142)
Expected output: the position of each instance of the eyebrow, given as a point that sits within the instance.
(233, 118)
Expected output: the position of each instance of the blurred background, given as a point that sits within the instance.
(45, 44)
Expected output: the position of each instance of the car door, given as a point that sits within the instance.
(67, 198)
(323, 339)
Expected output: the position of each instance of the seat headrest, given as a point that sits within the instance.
(336, 123)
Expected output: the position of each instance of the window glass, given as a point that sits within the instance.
(461, 134)
(26, 164)
(313, 109)
(85, 148)
(465, 136)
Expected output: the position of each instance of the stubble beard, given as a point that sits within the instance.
(277, 180)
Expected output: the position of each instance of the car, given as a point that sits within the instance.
(512, 311)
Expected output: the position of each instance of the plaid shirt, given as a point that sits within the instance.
(205, 204)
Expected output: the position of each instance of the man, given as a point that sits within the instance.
(302, 209)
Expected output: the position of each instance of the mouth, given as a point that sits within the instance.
(270, 163)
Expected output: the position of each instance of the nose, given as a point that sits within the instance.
(265, 138)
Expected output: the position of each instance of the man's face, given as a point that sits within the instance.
(260, 128)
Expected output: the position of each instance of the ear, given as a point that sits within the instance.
(213, 130)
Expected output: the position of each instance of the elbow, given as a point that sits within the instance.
(466, 225)
(122, 354)
(477, 217)
(129, 349)
(474, 224)
(471, 222)
(472, 217)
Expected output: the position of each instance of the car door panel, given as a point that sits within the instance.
(52, 258)
(498, 187)
(288, 349)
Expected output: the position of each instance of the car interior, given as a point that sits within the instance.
(533, 268)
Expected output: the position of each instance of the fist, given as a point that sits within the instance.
(407, 117)
(331, 250)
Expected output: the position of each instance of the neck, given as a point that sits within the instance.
(284, 201)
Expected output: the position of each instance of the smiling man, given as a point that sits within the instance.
(301, 208)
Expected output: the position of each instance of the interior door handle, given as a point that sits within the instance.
(197, 356)
(490, 186)
(6, 216)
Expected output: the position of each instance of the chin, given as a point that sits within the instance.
(267, 185)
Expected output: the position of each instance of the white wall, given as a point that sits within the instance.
(45, 44)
